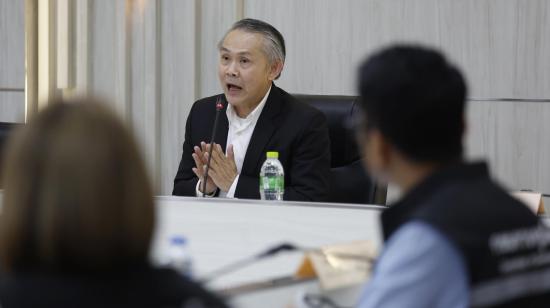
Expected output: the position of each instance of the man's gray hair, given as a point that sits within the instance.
(274, 43)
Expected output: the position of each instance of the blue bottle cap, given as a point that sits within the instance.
(178, 240)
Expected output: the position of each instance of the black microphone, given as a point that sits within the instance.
(276, 249)
(219, 107)
(272, 251)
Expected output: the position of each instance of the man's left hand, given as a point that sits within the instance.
(223, 169)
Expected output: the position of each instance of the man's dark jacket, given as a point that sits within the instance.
(296, 130)
(499, 238)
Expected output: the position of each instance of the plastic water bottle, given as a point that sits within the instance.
(272, 178)
(179, 256)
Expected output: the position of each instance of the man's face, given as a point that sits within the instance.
(244, 70)
(374, 150)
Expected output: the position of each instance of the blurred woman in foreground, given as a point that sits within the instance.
(78, 216)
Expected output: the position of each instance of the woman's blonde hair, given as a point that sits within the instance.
(76, 193)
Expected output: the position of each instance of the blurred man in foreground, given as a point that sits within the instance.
(455, 239)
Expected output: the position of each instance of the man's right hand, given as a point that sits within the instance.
(200, 163)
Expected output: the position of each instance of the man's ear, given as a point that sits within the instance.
(275, 70)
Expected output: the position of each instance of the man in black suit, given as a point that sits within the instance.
(260, 117)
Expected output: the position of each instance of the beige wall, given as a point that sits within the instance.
(154, 58)
(501, 44)
(12, 61)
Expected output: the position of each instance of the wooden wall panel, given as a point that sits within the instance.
(501, 44)
(513, 136)
(216, 16)
(12, 61)
(12, 106)
(144, 80)
(155, 58)
(12, 44)
(178, 82)
(107, 70)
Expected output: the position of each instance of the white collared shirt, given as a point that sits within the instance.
(239, 135)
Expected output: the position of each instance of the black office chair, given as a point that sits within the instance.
(349, 183)
(5, 131)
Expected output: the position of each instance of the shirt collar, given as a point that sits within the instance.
(252, 117)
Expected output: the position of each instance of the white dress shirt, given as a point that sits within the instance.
(239, 134)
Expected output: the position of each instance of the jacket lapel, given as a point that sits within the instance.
(265, 127)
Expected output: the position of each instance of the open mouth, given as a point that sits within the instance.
(233, 87)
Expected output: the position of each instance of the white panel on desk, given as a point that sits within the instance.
(513, 136)
(502, 45)
(217, 16)
(12, 44)
(178, 91)
(12, 107)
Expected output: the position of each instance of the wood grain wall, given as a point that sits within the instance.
(153, 58)
(502, 45)
(12, 61)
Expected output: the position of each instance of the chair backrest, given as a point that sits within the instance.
(338, 111)
(5, 131)
(349, 182)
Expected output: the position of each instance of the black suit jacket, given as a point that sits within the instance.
(296, 130)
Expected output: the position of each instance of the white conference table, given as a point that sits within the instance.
(221, 231)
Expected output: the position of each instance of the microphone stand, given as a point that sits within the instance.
(274, 250)
(219, 107)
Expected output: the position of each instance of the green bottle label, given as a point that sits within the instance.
(272, 182)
